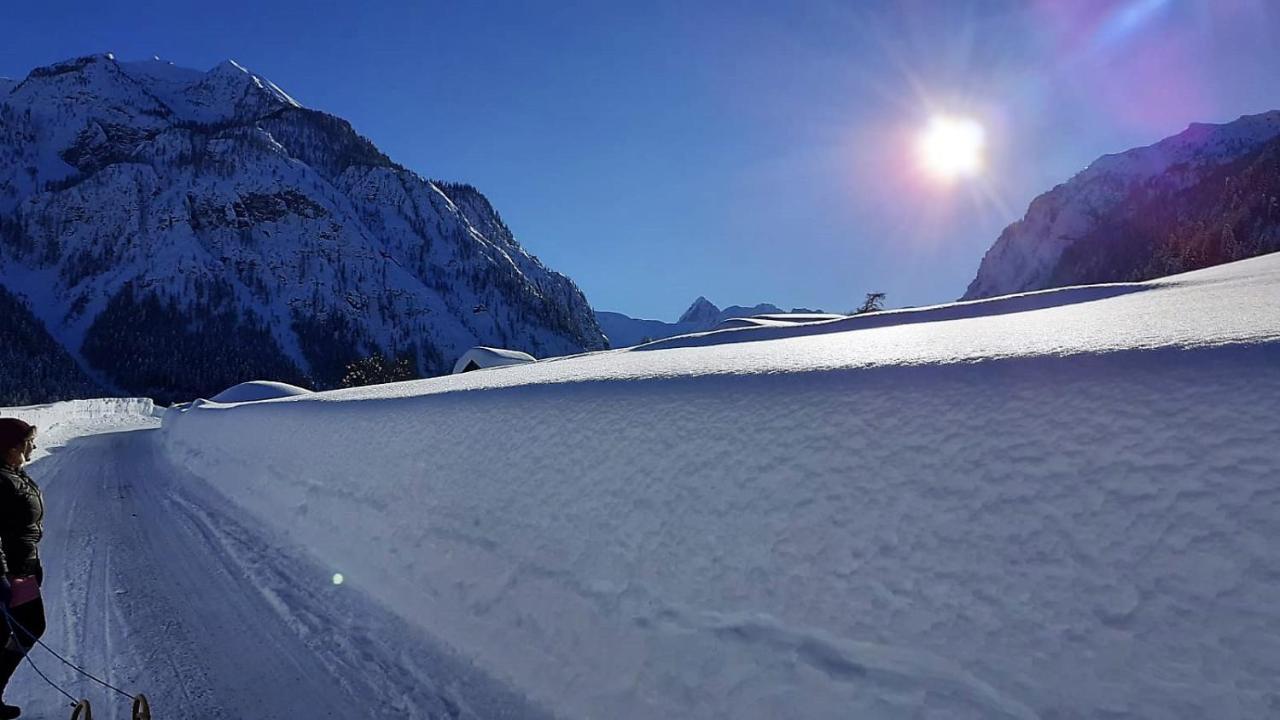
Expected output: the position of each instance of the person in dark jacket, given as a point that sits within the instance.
(21, 527)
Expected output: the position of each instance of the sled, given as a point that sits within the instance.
(141, 709)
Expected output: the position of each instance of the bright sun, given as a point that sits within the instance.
(951, 147)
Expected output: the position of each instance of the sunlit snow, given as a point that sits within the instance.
(1058, 504)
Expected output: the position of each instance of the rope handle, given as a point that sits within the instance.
(15, 624)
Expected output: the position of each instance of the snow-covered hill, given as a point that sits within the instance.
(625, 331)
(179, 231)
(1057, 504)
(1199, 198)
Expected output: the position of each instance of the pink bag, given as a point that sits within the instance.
(25, 589)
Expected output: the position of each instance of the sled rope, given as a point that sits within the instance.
(141, 707)
(27, 656)
(52, 684)
(67, 662)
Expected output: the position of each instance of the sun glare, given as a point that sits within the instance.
(951, 147)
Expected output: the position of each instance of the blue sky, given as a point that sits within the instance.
(748, 152)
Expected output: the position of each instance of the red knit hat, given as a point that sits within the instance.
(13, 433)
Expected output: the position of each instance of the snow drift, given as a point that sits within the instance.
(1067, 510)
(255, 390)
(57, 423)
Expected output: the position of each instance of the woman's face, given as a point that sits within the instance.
(15, 457)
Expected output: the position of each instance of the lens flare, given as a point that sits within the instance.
(951, 147)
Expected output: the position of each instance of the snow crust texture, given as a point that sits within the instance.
(1064, 511)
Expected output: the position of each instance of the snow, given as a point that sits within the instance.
(58, 423)
(398, 249)
(1052, 504)
(234, 70)
(1056, 504)
(800, 317)
(487, 357)
(255, 390)
(749, 322)
(162, 72)
(156, 583)
(775, 320)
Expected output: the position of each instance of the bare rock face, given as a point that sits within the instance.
(1199, 198)
(178, 232)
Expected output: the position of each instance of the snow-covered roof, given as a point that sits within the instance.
(258, 390)
(480, 357)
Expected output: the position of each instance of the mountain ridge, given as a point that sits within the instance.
(1145, 212)
(216, 203)
(702, 314)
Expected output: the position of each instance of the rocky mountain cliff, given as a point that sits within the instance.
(1205, 196)
(179, 231)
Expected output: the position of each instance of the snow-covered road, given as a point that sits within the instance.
(152, 580)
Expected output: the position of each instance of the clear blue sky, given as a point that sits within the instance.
(748, 152)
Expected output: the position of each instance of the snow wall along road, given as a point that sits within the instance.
(1081, 536)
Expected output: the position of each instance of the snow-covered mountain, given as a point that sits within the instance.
(179, 231)
(1202, 197)
(625, 331)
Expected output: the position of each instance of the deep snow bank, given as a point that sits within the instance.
(805, 527)
(59, 422)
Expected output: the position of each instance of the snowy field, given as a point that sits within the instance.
(1057, 505)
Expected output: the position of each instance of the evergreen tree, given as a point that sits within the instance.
(376, 370)
(873, 303)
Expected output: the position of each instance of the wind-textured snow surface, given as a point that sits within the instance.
(1019, 508)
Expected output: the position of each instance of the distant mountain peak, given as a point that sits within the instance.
(701, 311)
(231, 69)
(702, 315)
